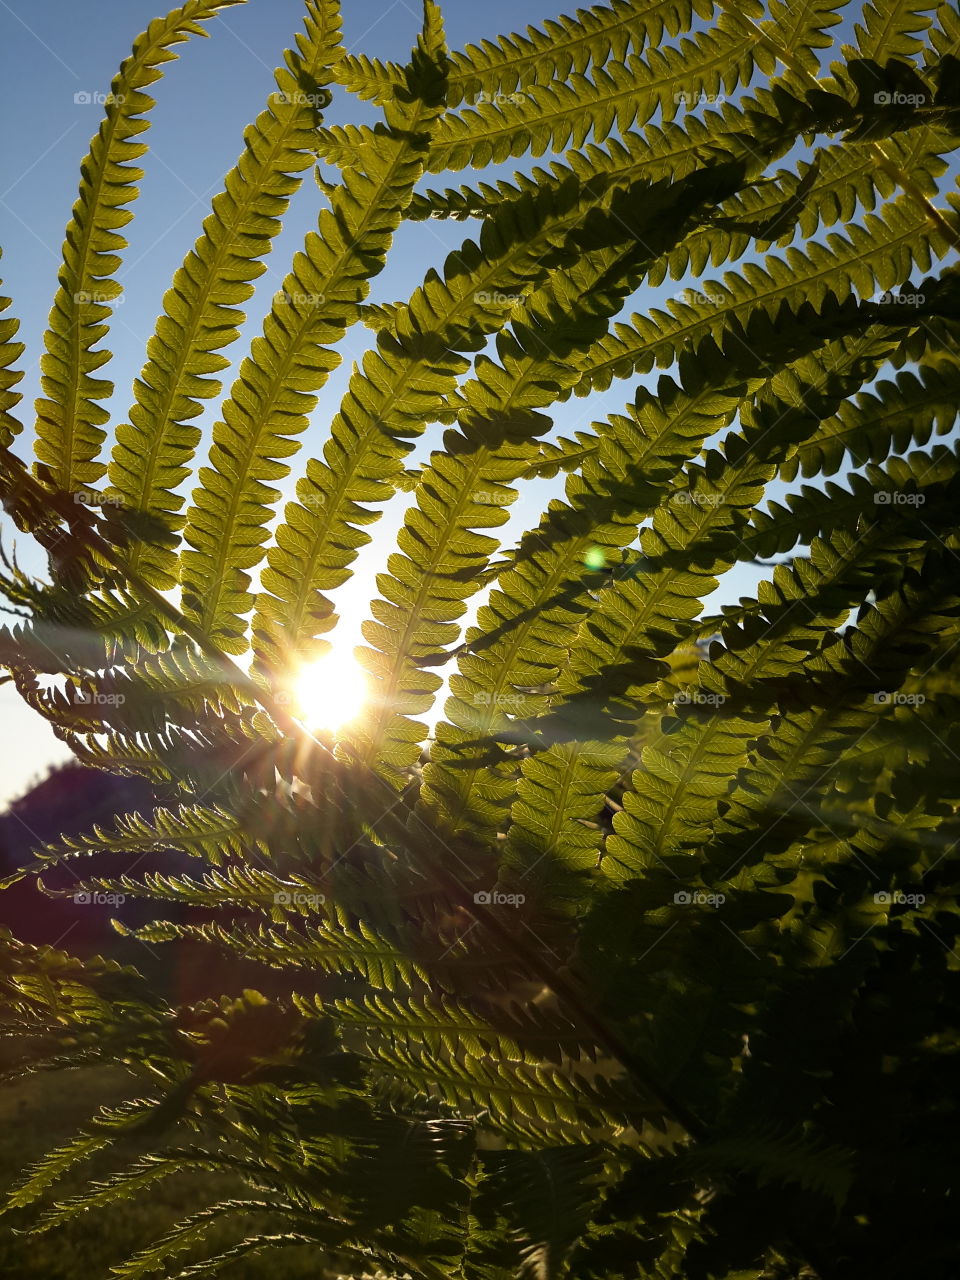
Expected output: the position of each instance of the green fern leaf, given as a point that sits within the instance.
(69, 416)
(275, 394)
(202, 309)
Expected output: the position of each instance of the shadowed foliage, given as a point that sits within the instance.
(640, 961)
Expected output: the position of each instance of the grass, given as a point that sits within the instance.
(46, 1110)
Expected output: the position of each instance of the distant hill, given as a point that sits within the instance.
(71, 800)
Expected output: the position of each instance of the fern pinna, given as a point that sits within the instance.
(640, 960)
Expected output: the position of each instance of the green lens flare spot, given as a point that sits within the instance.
(595, 559)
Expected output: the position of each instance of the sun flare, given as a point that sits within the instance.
(331, 691)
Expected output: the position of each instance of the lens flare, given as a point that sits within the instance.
(331, 691)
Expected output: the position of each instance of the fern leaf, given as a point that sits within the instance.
(276, 390)
(877, 255)
(884, 420)
(10, 351)
(555, 116)
(201, 311)
(86, 1143)
(547, 1197)
(204, 832)
(568, 46)
(801, 29)
(890, 29)
(540, 597)
(69, 416)
(399, 387)
(332, 947)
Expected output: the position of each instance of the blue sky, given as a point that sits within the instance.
(54, 51)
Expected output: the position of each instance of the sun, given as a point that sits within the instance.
(331, 691)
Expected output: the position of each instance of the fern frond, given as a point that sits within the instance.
(192, 1230)
(874, 256)
(276, 391)
(543, 591)
(400, 386)
(555, 116)
(333, 947)
(39, 1177)
(210, 833)
(890, 29)
(201, 310)
(524, 1099)
(547, 1197)
(887, 641)
(569, 46)
(499, 420)
(886, 419)
(801, 29)
(69, 416)
(922, 478)
(10, 352)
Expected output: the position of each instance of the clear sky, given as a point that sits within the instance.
(51, 51)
